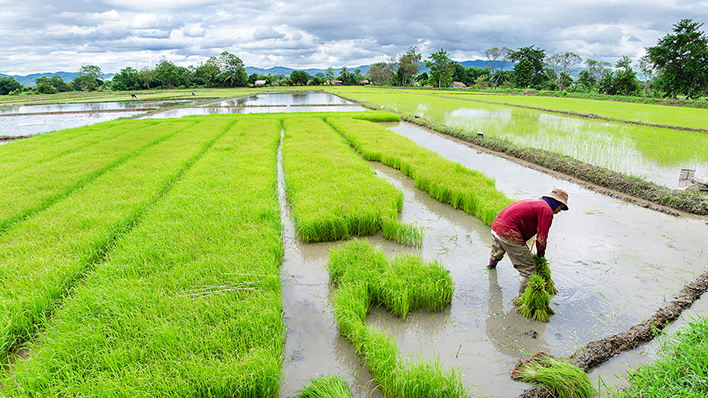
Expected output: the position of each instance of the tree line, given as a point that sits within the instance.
(676, 66)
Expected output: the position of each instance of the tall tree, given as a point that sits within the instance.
(167, 73)
(329, 75)
(647, 69)
(8, 85)
(380, 73)
(88, 78)
(536, 58)
(625, 80)
(299, 77)
(562, 63)
(596, 69)
(441, 68)
(408, 66)
(682, 58)
(496, 55)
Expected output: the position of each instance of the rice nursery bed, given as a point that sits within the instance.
(153, 269)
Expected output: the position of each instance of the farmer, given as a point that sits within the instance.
(518, 223)
(133, 96)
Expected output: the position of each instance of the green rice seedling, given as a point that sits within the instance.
(446, 181)
(189, 302)
(365, 277)
(534, 302)
(36, 183)
(428, 379)
(680, 370)
(544, 270)
(404, 233)
(326, 387)
(333, 192)
(562, 379)
(45, 255)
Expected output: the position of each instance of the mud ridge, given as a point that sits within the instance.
(607, 182)
(14, 137)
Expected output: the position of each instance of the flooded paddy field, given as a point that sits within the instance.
(28, 120)
(613, 263)
(268, 102)
(652, 153)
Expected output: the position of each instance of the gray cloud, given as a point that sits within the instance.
(39, 35)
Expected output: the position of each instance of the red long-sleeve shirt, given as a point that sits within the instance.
(521, 220)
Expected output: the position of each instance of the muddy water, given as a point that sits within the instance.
(614, 265)
(90, 106)
(38, 124)
(270, 102)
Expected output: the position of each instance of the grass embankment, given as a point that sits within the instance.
(334, 193)
(188, 303)
(444, 180)
(39, 172)
(45, 255)
(680, 371)
(365, 277)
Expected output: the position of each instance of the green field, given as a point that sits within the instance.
(650, 153)
(133, 240)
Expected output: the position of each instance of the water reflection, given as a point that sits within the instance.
(38, 124)
(91, 106)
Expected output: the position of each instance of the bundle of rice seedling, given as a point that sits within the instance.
(544, 270)
(534, 303)
(562, 379)
(326, 387)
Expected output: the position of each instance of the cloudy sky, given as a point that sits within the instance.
(50, 36)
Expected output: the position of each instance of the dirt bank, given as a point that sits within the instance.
(4, 138)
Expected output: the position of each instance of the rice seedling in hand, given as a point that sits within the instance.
(326, 387)
(534, 302)
(544, 270)
(563, 380)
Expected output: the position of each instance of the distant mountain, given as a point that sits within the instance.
(66, 76)
(281, 70)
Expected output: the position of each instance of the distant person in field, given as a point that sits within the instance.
(518, 223)
(133, 96)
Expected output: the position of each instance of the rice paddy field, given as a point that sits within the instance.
(288, 254)
(653, 153)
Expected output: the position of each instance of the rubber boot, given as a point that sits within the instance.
(523, 281)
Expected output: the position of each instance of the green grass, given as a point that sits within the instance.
(326, 387)
(366, 277)
(334, 193)
(188, 304)
(44, 256)
(564, 380)
(681, 369)
(39, 173)
(446, 181)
